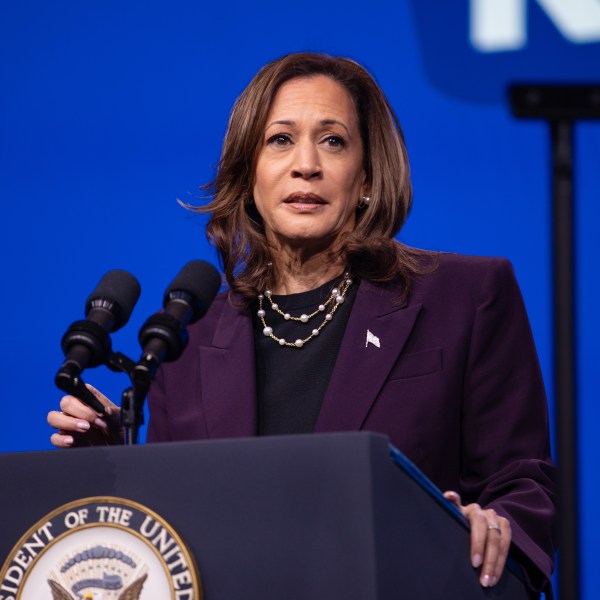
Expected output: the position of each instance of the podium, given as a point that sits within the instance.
(322, 516)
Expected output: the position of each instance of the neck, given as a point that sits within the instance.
(294, 272)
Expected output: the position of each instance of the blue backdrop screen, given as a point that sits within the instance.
(111, 111)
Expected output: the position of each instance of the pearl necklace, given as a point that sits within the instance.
(336, 297)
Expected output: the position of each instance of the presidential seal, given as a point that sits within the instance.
(100, 548)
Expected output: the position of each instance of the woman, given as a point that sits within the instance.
(330, 324)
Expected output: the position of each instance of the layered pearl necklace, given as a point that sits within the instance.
(336, 297)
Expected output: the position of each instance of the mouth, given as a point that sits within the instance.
(302, 198)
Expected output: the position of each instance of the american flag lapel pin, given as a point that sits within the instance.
(372, 339)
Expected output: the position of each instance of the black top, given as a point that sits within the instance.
(291, 382)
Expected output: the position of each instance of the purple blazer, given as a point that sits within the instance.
(455, 383)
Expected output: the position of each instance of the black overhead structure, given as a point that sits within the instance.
(561, 106)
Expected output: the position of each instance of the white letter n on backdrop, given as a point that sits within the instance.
(501, 25)
(577, 20)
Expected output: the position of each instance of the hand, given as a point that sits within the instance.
(80, 425)
(490, 539)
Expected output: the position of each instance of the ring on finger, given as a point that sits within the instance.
(495, 527)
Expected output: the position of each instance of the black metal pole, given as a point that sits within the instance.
(564, 355)
(561, 106)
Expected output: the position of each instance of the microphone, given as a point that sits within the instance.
(164, 336)
(108, 308)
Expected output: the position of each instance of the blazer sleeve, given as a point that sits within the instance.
(505, 450)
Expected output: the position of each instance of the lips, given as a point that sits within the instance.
(303, 198)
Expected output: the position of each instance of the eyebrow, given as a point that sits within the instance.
(321, 122)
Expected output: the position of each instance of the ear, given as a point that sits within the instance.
(365, 191)
(365, 185)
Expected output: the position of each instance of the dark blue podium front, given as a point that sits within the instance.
(301, 517)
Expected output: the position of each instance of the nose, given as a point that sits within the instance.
(307, 163)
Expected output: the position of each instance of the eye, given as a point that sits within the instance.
(334, 141)
(279, 140)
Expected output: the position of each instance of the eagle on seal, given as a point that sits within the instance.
(131, 592)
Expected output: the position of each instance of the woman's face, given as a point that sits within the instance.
(309, 173)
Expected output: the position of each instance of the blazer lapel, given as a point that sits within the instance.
(362, 367)
(227, 373)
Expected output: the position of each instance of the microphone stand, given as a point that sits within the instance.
(134, 397)
(162, 337)
(69, 380)
(132, 415)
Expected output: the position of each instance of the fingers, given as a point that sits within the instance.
(61, 440)
(74, 416)
(111, 407)
(490, 542)
(490, 539)
(75, 420)
(454, 497)
(505, 534)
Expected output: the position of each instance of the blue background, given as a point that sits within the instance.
(110, 111)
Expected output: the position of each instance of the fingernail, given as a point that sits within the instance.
(100, 423)
(83, 425)
(485, 581)
(476, 561)
(494, 581)
(68, 440)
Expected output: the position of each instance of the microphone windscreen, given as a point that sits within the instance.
(118, 291)
(201, 281)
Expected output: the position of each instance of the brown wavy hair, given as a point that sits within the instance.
(236, 228)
